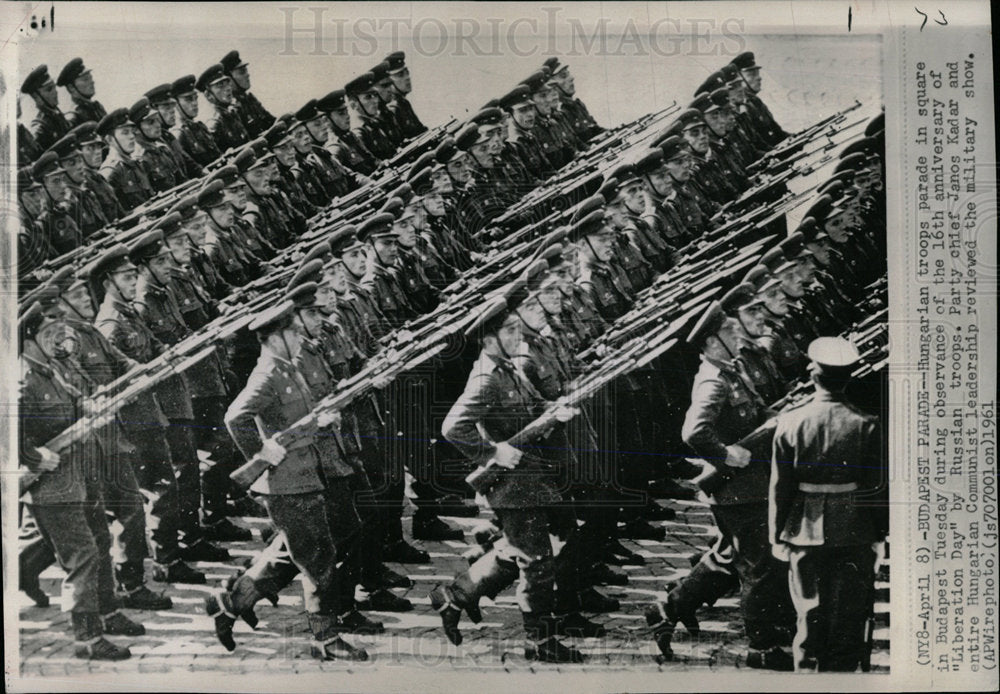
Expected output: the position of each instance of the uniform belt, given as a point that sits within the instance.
(828, 488)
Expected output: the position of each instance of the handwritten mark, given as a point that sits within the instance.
(924, 23)
(945, 22)
(849, 19)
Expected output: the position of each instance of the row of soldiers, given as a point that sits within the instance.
(419, 240)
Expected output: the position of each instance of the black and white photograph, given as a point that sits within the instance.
(450, 346)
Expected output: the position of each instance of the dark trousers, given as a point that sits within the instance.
(184, 457)
(832, 589)
(210, 435)
(154, 473)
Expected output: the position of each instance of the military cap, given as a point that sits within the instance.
(711, 83)
(302, 295)
(720, 97)
(447, 150)
(807, 227)
(703, 102)
(674, 147)
(518, 95)
(25, 180)
(61, 279)
(227, 175)
(231, 60)
(584, 208)
(553, 65)
(245, 160)
(772, 259)
(183, 85)
(730, 73)
(46, 165)
(851, 163)
(537, 80)
(420, 181)
(552, 254)
(211, 195)
(792, 246)
(308, 112)
(820, 209)
(488, 116)
(393, 206)
(395, 62)
(147, 246)
(535, 273)
(112, 121)
(740, 296)
(489, 317)
(609, 190)
(160, 94)
(115, 259)
(516, 293)
(276, 134)
(592, 223)
(343, 240)
(380, 71)
(213, 74)
(378, 225)
(186, 207)
(403, 191)
(833, 355)
(834, 188)
(35, 79)
(140, 109)
(65, 147)
(648, 162)
(875, 125)
(424, 161)
(819, 236)
(690, 118)
(169, 224)
(492, 103)
(71, 71)
(359, 85)
(468, 136)
(272, 319)
(865, 145)
(309, 271)
(757, 276)
(838, 182)
(709, 324)
(85, 133)
(332, 101)
(624, 173)
(745, 61)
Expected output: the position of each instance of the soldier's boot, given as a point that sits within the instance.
(775, 658)
(443, 602)
(427, 526)
(592, 600)
(224, 530)
(486, 577)
(219, 605)
(382, 576)
(403, 552)
(203, 550)
(133, 592)
(384, 600)
(576, 625)
(664, 618)
(542, 644)
(90, 643)
(117, 624)
(33, 559)
(327, 642)
(602, 574)
(617, 553)
(177, 572)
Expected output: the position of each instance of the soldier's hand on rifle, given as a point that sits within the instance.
(272, 452)
(328, 418)
(737, 456)
(49, 460)
(89, 407)
(507, 456)
(564, 413)
(380, 382)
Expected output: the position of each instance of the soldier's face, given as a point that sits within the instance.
(125, 137)
(678, 169)
(341, 118)
(318, 129)
(697, 137)
(57, 339)
(615, 215)
(718, 122)
(258, 180)
(301, 140)
(509, 334)
(356, 261)
(195, 229)
(222, 215)
(552, 99)
(180, 248)
(494, 136)
(48, 94)
(387, 249)
(551, 299)
(311, 320)
(660, 182)
(337, 278)
(150, 126)
(776, 301)
(533, 315)
(836, 228)
(188, 103)
(541, 101)
(458, 169)
(79, 302)
(402, 80)
(433, 202)
(241, 76)
(602, 245)
(483, 154)
(752, 319)
(126, 282)
(737, 92)
(524, 115)
(222, 91)
(93, 154)
(417, 214)
(84, 84)
(405, 233)
(442, 183)
(168, 113)
(384, 89)
(33, 200)
(74, 167)
(752, 79)
(285, 153)
(161, 267)
(55, 185)
(236, 195)
(633, 198)
(289, 341)
(369, 102)
(565, 81)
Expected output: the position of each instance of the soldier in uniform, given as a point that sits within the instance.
(366, 105)
(261, 211)
(292, 489)
(710, 175)
(829, 512)
(256, 118)
(194, 136)
(654, 248)
(201, 266)
(749, 72)
(337, 179)
(162, 101)
(57, 219)
(345, 145)
(77, 79)
(557, 141)
(575, 111)
(387, 96)
(225, 123)
(599, 277)
(125, 175)
(687, 201)
(92, 151)
(65, 501)
(402, 84)
(227, 255)
(162, 169)
(83, 203)
(382, 282)
(27, 149)
(49, 123)
(743, 304)
(724, 412)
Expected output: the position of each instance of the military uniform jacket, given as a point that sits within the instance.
(762, 372)
(419, 291)
(724, 410)
(128, 179)
(226, 256)
(256, 119)
(360, 298)
(373, 136)
(496, 404)
(197, 141)
(827, 441)
(61, 230)
(319, 377)
(531, 152)
(277, 393)
(267, 223)
(387, 291)
(226, 127)
(86, 207)
(105, 194)
(653, 245)
(689, 206)
(207, 276)
(580, 314)
(406, 118)
(790, 360)
(610, 296)
(761, 115)
(636, 266)
(86, 110)
(188, 166)
(49, 126)
(350, 152)
(159, 164)
(27, 149)
(579, 118)
(33, 247)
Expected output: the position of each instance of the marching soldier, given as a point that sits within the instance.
(33, 246)
(749, 72)
(77, 79)
(92, 151)
(576, 112)
(336, 178)
(227, 255)
(161, 100)
(194, 136)
(743, 304)
(82, 202)
(558, 143)
(125, 175)
(66, 501)
(366, 105)
(255, 117)
(345, 145)
(829, 512)
(686, 201)
(654, 248)
(60, 228)
(225, 123)
(162, 169)
(387, 95)
(49, 124)
(599, 277)
(402, 84)
(710, 177)
(382, 282)
(201, 265)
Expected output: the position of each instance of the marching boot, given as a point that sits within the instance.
(384, 600)
(384, 577)
(542, 644)
(602, 574)
(177, 572)
(90, 643)
(357, 623)
(576, 625)
(216, 607)
(203, 550)
(443, 602)
(133, 592)
(224, 530)
(327, 643)
(117, 624)
(592, 600)
(617, 553)
(403, 552)
(37, 595)
(774, 658)
(427, 526)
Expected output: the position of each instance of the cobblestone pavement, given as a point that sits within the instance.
(182, 640)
